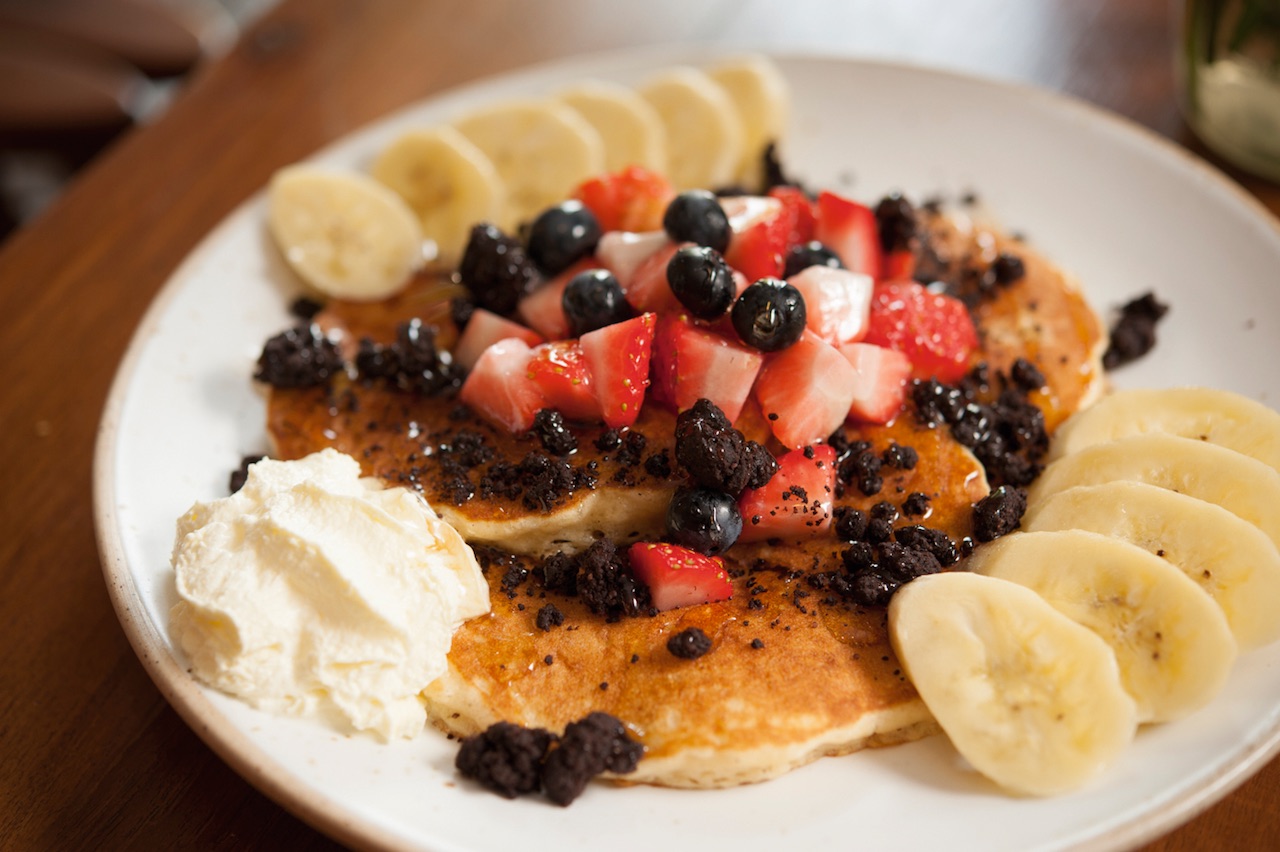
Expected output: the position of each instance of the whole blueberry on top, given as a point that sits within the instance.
(812, 253)
(593, 299)
(769, 315)
(562, 234)
(702, 281)
(696, 216)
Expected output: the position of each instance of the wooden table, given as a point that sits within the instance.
(93, 757)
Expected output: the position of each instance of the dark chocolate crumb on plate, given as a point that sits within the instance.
(689, 644)
(1134, 334)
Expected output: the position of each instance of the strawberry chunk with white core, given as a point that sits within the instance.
(880, 388)
(850, 230)
(837, 302)
(484, 329)
(499, 388)
(797, 502)
(617, 357)
(623, 252)
(692, 363)
(560, 371)
(677, 576)
(648, 288)
(543, 309)
(805, 391)
(744, 211)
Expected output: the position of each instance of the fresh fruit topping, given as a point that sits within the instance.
(805, 391)
(499, 388)
(718, 456)
(692, 363)
(560, 371)
(797, 501)
(592, 300)
(695, 216)
(344, 234)
(629, 127)
(648, 289)
(850, 230)
(1031, 699)
(543, 309)
(484, 329)
(703, 127)
(447, 182)
(677, 576)
(837, 302)
(562, 235)
(702, 281)
(496, 270)
(623, 252)
(617, 357)
(759, 251)
(633, 199)
(769, 315)
(880, 383)
(797, 212)
(746, 211)
(805, 255)
(934, 331)
(703, 519)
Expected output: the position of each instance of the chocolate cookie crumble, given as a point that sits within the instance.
(1134, 334)
(689, 644)
(300, 357)
(999, 513)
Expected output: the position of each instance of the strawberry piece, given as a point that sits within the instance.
(797, 502)
(934, 331)
(677, 576)
(798, 211)
(850, 230)
(560, 371)
(764, 229)
(691, 363)
(632, 199)
(837, 302)
(897, 264)
(618, 357)
(543, 309)
(880, 389)
(484, 329)
(622, 252)
(499, 389)
(648, 289)
(805, 391)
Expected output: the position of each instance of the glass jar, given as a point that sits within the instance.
(1229, 64)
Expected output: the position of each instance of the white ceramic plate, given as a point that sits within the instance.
(1123, 209)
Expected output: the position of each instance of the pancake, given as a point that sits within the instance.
(795, 672)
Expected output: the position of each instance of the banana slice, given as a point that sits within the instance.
(1231, 560)
(448, 183)
(1217, 416)
(705, 138)
(632, 133)
(763, 100)
(541, 150)
(1171, 640)
(1242, 485)
(345, 234)
(1030, 698)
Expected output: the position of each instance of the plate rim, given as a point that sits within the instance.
(330, 816)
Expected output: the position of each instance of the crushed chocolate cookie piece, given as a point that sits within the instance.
(718, 456)
(550, 429)
(632, 449)
(549, 616)
(1007, 269)
(559, 573)
(423, 367)
(689, 644)
(1026, 375)
(904, 563)
(925, 538)
(884, 511)
(374, 361)
(851, 524)
(513, 578)
(862, 468)
(871, 588)
(902, 458)
(305, 308)
(658, 465)
(936, 403)
(496, 270)
(878, 530)
(505, 758)
(594, 744)
(540, 481)
(605, 583)
(241, 474)
(757, 643)
(896, 220)
(1134, 333)
(300, 357)
(999, 513)
(858, 556)
(608, 441)
(916, 504)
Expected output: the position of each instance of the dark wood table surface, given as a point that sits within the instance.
(91, 756)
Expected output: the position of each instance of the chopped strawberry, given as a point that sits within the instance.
(633, 199)
(498, 387)
(797, 501)
(691, 363)
(617, 357)
(677, 576)
(897, 264)
(801, 218)
(543, 309)
(560, 371)
(805, 391)
(880, 388)
(836, 302)
(647, 289)
(622, 252)
(744, 211)
(764, 229)
(850, 230)
(483, 330)
(934, 331)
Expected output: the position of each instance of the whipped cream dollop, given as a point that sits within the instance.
(315, 591)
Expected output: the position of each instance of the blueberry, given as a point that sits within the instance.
(594, 299)
(810, 254)
(697, 217)
(703, 519)
(702, 281)
(769, 315)
(562, 234)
